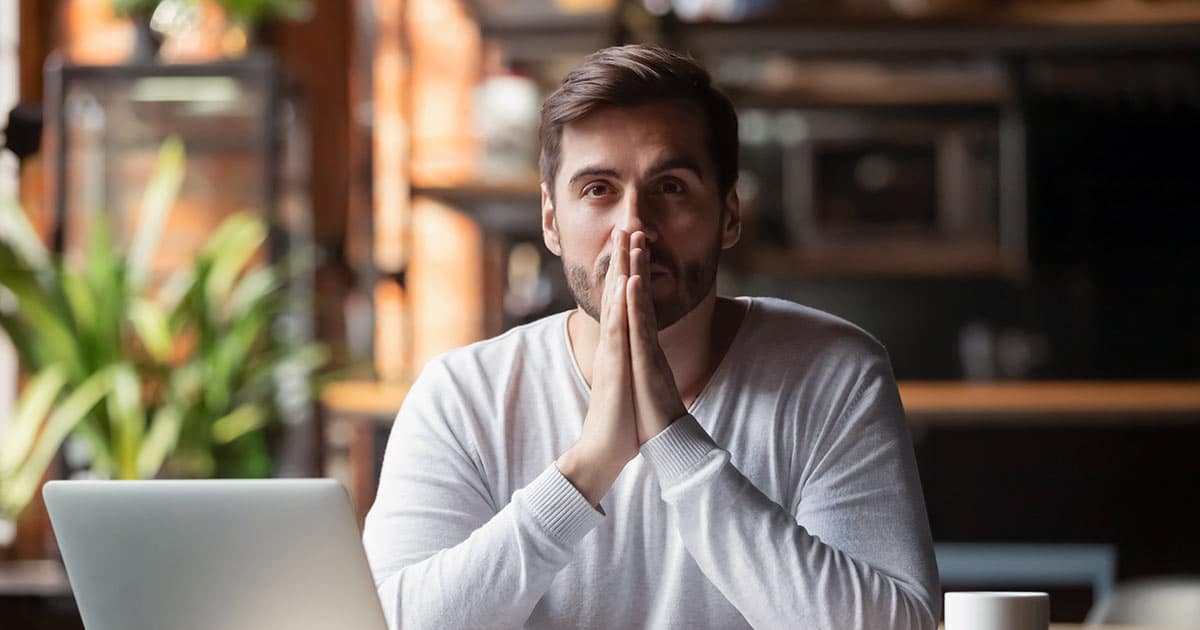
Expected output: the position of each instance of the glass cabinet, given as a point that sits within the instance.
(241, 129)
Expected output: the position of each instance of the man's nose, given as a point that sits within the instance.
(638, 214)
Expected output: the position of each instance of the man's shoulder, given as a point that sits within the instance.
(789, 326)
(533, 340)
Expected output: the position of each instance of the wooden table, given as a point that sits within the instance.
(40, 578)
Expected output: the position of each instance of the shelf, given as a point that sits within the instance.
(1021, 28)
(893, 260)
(942, 403)
(506, 208)
(815, 29)
(957, 101)
(524, 191)
(1100, 13)
(1061, 402)
(1101, 25)
(856, 84)
(378, 401)
(533, 37)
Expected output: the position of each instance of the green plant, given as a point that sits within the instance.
(183, 379)
(249, 12)
(126, 8)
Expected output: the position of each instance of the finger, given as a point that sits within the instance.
(610, 278)
(641, 311)
(637, 340)
(637, 261)
(642, 363)
(637, 239)
(612, 354)
(652, 374)
(609, 304)
(645, 301)
(618, 324)
(640, 340)
(620, 256)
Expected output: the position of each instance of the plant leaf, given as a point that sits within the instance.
(242, 420)
(260, 381)
(101, 253)
(128, 418)
(175, 289)
(80, 299)
(254, 288)
(233, 245)
(43, 315)
(101, 447)
(19, 234)
(106, 274)
(151, 325)
(229, 356)
(36, 400)
(63, 419)
(157, 202)
(160, 440)
(28, 351)
(185, 383)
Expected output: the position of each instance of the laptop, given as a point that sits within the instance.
(209, 554)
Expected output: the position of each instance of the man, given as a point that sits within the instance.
(659, 457)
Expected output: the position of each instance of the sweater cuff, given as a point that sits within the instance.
(559, 507)
(678, 449)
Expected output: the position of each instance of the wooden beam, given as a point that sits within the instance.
(38, 37)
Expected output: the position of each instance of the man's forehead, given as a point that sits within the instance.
(668, 119)
(617, 137)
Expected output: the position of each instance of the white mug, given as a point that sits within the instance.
(997, 610)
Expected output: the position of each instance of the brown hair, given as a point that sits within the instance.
(627, 76)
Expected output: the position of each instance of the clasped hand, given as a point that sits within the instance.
(634, 396)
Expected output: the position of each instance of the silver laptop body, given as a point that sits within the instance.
(214, 554)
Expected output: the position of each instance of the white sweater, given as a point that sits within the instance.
(787, 498)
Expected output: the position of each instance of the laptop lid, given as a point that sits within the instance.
(205, 554)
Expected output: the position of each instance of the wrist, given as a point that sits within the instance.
(653, 427)
(592, 476)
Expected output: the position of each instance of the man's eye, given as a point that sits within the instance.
(670, 187)
(595, 190)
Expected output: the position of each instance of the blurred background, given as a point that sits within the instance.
(234, 231)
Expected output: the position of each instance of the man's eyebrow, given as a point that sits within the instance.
(592, 171)
(659, 167)
(674, 163)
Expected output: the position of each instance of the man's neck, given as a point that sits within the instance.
(692, 348)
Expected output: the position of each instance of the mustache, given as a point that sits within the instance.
(658, 256)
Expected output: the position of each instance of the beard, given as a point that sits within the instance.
(691, 283)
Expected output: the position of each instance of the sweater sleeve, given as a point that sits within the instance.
(442, 554)
(855, 552)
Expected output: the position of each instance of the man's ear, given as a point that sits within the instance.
(550, 223)
(731, 219)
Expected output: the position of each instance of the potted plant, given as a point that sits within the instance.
(251, 12)
(146, 40)
(246, 16)
(186, 379)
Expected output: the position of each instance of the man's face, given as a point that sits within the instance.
(640, 168)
